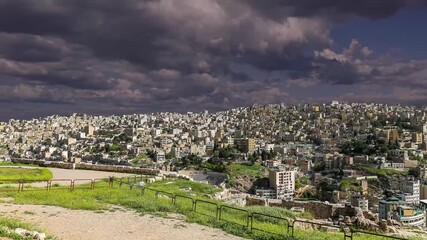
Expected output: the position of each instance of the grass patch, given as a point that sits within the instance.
(233, 221)
(8, 225)
(385, 172)
(182, 186)
(235, 171)
(24, 174)
(350, 185)
(255, 170)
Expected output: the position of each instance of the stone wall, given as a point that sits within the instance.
(319, 210)
(250, 201)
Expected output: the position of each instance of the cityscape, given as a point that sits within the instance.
(213, 119)
(366, 161)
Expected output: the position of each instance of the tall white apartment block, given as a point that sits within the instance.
(283, 181)
(412, 190)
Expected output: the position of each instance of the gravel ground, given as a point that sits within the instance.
(118, 225)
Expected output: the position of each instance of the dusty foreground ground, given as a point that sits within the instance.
(120, 224)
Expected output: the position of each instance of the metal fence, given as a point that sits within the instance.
(249, 217)
(56, 184)
(219, 212)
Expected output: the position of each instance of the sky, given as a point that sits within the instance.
(142, 56)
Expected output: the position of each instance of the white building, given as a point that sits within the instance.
(360, 201)
(411, 191)
(283, 182)
(160, 156)
(268, 193)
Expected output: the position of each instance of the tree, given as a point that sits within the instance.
(170, 155)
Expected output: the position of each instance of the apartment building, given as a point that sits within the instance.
(283, 181)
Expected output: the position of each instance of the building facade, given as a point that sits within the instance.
(283, 181)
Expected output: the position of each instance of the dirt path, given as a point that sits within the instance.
(121, 224)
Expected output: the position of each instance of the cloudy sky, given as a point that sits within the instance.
(140, 56)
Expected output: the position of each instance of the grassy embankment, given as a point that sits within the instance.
(24, 174)
(235, 171)
(384, 172)
(104, 199)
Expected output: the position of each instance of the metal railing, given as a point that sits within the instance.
(248, 217)
(55, 184)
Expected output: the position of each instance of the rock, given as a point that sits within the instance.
(358, 212)
(40, 236)
(392, 229)
(347, 220)
(383, 225)
(34, 234)
(20, 231)
(340, 218)
(371, 216)
(394, 223)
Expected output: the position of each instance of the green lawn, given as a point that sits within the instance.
(255, 170)
(25, 174)
(233, 221)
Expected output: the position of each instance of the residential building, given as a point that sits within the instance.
(411, 191)
(417, 137)
(246, 145)
(283, 181)
(398, 210)
(360, 201)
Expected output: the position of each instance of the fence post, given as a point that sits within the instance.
(247, 220)
(218, 212)
(293, 223)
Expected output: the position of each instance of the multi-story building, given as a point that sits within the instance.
(246, 145)
(360, 201)
(268, 193)
(393, 208)
(409, 216)
(283, 181)
(417, 137)
(399, 154)
(89, 130)
(411, 189)
(160, 156)
(392, 134)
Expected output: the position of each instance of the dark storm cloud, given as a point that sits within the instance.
(155, 54)
(334, 8)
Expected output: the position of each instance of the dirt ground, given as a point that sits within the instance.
(113, 225)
